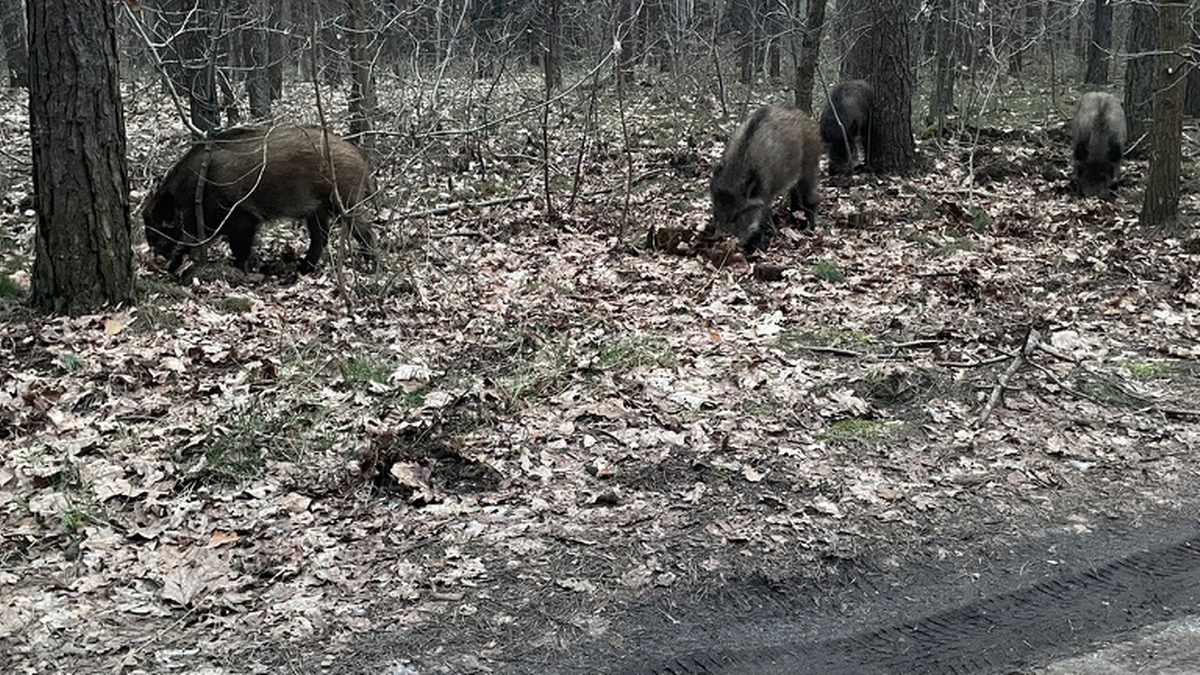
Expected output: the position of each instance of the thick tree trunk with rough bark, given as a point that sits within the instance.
(1101, 44)
(1160, 207)
(83, 258)
(810, 53)
(882, 55)
(1140, 70)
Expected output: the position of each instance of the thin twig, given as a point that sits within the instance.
(1031, 341)
(444, 209)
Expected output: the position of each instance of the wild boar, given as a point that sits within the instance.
(846, 125)
(1098, 133)
(776, 150)
(244, 176)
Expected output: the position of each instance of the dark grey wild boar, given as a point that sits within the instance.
(1098, 133)
(776, 150)
(252, 175)
(846, 125)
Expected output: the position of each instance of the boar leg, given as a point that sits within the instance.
(803, 197)
(318, 237)
(239, 229)
(365, 236)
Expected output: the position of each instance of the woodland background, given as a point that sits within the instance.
(533, 442)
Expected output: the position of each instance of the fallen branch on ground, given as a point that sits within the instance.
(1032, 338)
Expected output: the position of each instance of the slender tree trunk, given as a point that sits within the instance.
(941, 102)
(258, 60)
(774, 22)
(745, 18)
(625, 27)
(1161, 205)
(1140, 69)
(83, 258)
(1192, 105)
(882, 55)
(810, 53)
(279, 19)
(1101, 44)
(362, 78)
(552, 43)
(16, 50)
(192, 56)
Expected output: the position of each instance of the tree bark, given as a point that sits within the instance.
(882, 55)
(362, 76)
(1192, 105)
(1160, 207)
(552, 43)
(810, 53)
(258, 59)
(626, 30)
(279, 22)
(16, 50)
(1140, 69)
(941, 101)
(1101, 44)
(83, 258)
(191, 62)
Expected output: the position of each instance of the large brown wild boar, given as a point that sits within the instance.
(1098, 133)
(776, 150)
(250, 175)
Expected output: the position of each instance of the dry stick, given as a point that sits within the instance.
(1031, 341)
(338, 271)
(549, 197)
(590, 122)
(625, 137)
(833, 350)
(973, 364)
(446, 209)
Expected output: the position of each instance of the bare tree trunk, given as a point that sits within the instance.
(279, 19)
(941, 101)
(83, 257)
(1161, 205)
(810, 53)
(1192, 104)
(1101, 44)
(775, 22)
(1140, 69)
(362, 79)
(258, 61)
(747, 22)
(16, 51)
(882, 55)
(552, 43)
(192, 56)
(625, 27)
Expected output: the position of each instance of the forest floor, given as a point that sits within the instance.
(483, 457)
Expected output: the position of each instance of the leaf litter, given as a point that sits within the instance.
(520, 427)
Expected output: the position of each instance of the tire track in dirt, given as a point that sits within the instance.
(1007, 632)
